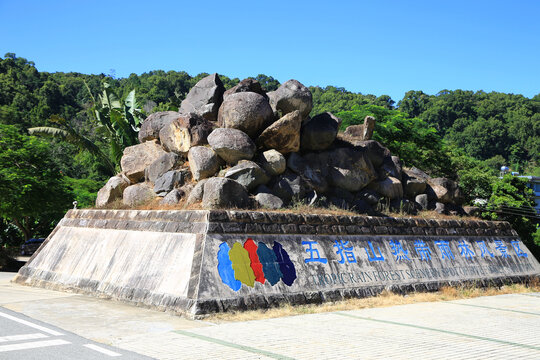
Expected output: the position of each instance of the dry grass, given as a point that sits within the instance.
(385, 299)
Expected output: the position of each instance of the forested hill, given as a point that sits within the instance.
(497, 128)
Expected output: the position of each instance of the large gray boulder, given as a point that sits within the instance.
(319, 132)
(245, 111)
(248, 174)
(164, 163)
(152, 125)
(224, 193)
(231, 145)
(137, 158)
(313, 176)
(184, 132)
(246, 85)
(138, 194)
(390, 188)
(283, 135)
(268, 201)
(290, 96)
(173, 197)
(413, 187)
(289, 186)
(391, 166)
(375, 151)
(350, 169)
(204, 98)
(203, 162)
(446, 190)
(422, 200)
(196, 193)
(112, 190)
(273, 162)
(168, 181)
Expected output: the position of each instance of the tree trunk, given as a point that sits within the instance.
(25, 230)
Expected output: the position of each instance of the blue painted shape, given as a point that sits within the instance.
(268, 259)
(285, 264)
(225, 269)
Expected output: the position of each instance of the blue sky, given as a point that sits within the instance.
(372, 47)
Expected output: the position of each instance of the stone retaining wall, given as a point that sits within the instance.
(199, 262)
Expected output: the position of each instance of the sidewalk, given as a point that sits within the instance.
(505, 326)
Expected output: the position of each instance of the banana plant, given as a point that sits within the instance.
(67, 133)
(117, 123)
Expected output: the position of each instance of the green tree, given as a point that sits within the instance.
(511, 200)
(415, 142)
(33, 192)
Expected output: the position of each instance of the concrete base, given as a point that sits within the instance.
(200, 262)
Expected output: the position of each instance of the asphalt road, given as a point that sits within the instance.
(24, 338)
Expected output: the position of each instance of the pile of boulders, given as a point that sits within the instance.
(245, 148)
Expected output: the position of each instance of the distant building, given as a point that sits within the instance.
(534, 183)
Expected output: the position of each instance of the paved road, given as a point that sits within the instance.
(22, 337)
(497, 327)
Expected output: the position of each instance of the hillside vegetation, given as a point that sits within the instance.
(460, 134)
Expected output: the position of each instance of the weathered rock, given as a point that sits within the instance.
(224, 193)
(371, 197)
(404, 206)
(168, 181)
(268, 201)
(248, 174)
(350, 169)
(290, 96)
(355, 131)
(273, 162)
(184, 132)
(204, 98)
(340, 198)
(152, 125)
(203, 162)
(289, 186)
(173, 197)
(231, 145)
(319, 132)
(416, 174)
(472, 210)
(440, 208)
(196, 194)
(390, 188)
(367, 129)
(375, 151)
(422, 200)
(137, 158)
(138, 194)
(246, 85)
(245, 111)
(391, 166)
(164, 163)
(313, 177)
(414, 186)
(446, 190)
(112, 190)
(283, 135)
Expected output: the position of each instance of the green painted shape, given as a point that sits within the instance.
(234, 346)
(442, 331)
(242, 265)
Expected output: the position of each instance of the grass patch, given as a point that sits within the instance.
(385, 299)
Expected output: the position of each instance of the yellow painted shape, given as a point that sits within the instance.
(242, 265)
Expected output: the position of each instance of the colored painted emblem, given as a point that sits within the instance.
(254, 262)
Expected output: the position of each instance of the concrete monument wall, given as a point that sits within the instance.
(199, 262)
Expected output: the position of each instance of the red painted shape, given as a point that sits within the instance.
(256, 265)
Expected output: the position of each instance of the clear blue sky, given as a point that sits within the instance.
(373, 47)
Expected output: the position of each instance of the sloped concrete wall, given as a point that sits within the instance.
(142, 257)
(198, 262)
